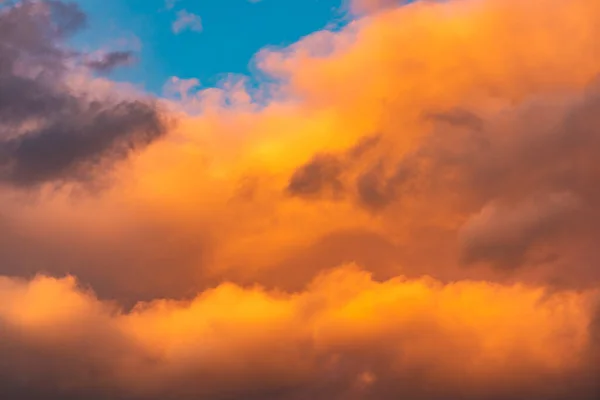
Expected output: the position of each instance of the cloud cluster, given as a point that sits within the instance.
(51, 130)
(411, 214)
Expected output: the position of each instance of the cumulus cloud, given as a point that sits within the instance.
(447, 148)
(50, 130)
(344, 336)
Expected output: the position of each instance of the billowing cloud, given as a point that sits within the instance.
(447, 149)
(52, 130)
(344, 336)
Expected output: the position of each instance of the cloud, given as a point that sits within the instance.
(169, 4)
(490, 133)
(369, 6)
(447, 148)
(344, 336)
(180, 87)
(52, 131)
(505, 233)
(319, 175)
(109, 61)
(187, 21)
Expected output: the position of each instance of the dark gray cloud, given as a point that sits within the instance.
(370, 182)
(527, 179)
(323, 175)
(50, 131)
(69, 147)
(147, 259)
(523, 179)
(504, 233)
(54, 133)
(523, 182)
(111, 60)
(376, 189)
(319, 175)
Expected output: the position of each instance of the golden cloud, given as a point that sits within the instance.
(446, 148)
(345, 335)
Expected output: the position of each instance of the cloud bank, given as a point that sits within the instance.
(410, 214)
(345, 336)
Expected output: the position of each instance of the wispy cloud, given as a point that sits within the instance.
(106, 62)
(169, 4)
(187, 21)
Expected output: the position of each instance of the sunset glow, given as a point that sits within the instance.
(399, 205)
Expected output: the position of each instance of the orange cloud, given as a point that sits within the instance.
(345, 335)
(454, 140)
(460, 129)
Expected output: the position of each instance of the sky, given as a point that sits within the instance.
(368, 199)
(227, 36)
